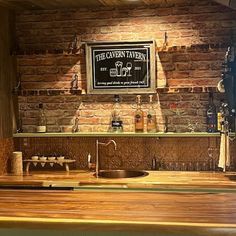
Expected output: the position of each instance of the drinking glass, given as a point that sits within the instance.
(129, 66)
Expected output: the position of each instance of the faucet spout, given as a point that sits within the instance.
(97, 155)
(111, 141)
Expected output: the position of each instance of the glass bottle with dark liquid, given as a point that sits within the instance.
(42, 120)
(139, 116)
(211, 116)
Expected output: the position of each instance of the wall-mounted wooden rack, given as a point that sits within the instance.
(56, 92)
(190, 48)
(48, 92)
(190, 89)
(66, 52)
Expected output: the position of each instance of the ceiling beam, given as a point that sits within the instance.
(228, 3)
(109, 2)
(152, 2)
(9, 5)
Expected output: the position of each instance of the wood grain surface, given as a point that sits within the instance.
(41, 4)
(155, 179)
(204, 211)
(196, 209)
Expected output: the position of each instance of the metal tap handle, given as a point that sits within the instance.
(91, 166)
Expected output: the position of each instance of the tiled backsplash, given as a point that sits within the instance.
(6, 149)
(195, 153)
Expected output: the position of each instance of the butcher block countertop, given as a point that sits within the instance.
(168, 203)
(165, 180)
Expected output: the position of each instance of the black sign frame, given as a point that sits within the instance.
(121, 67)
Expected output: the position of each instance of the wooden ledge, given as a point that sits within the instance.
(193, 48)
(111, 134)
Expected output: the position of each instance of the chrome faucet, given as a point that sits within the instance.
(97, 156)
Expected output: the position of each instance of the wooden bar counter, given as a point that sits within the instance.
(163, 203)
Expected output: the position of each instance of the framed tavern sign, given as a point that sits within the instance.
(121, 67)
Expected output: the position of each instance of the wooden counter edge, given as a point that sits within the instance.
(20, 220)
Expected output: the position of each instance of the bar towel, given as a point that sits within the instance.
(228, 151)
(221, 163)
(224, 158)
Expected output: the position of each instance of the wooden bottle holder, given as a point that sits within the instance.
(64, 162)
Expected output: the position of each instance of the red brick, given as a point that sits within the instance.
(183, 66)
(204, 56)
(194, 82)
(200, 65)
(179, 57)
(180, 74)
(205, 74)
(44, 99)
(164, 57)
(89, 113)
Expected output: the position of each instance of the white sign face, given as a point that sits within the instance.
(120, 67)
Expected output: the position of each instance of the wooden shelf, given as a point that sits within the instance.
(192, 48)
(190, 89)
(59, 51)
(48, 92)
(61, 92)
(110, 134)
(79, 51)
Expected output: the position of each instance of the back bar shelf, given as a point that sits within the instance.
(111, 134)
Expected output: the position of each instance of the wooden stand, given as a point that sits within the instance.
(64, 162)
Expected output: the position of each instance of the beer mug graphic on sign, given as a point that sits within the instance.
(119, 65)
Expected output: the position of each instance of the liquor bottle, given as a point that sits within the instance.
(75, 122)
(42, 121)
(165, 43)
(220, 119)
(211, 116)
(139, 116)
(151, 117)
(116, 122)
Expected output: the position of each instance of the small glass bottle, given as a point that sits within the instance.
(220, 118)
(75, 122)
(211, 116)
(116, 122)
(42, 121)
(151, 117)
(139, 116)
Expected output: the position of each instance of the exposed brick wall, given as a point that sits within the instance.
(181, 68)
(186, 68)
(186, 22)
(190, 22)
(181, 110)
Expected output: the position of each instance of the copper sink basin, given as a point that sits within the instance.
(113, 174)
(231, 176)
